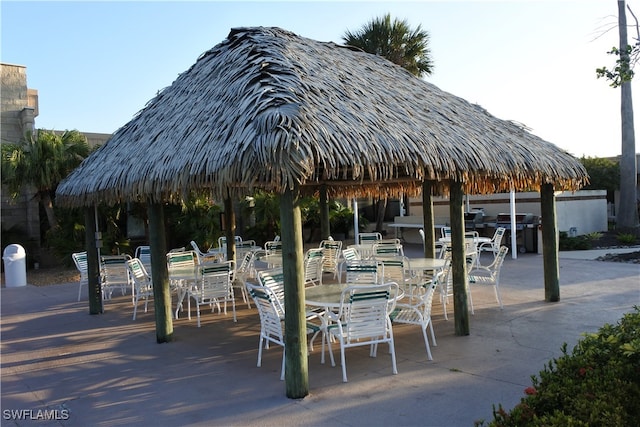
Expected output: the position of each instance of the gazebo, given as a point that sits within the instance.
(267, 109)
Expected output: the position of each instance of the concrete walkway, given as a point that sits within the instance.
(107, 370)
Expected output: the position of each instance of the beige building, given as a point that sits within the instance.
(19, 110)
(20, 218)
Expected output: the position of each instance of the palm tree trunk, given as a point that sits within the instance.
(627, 215)
(47, 203)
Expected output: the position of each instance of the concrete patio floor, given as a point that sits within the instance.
(107, 370)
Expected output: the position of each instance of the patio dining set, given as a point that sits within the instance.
(353, 295)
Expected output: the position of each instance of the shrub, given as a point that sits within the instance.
(567, 243)
(626, 238)
(598, 384)
(594, 235)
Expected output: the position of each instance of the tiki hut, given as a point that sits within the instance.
(267, 109)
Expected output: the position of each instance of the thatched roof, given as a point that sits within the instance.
(269, 109)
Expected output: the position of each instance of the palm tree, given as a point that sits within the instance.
(401, 45)
(395, 41)
(621, 76)
(42, 159)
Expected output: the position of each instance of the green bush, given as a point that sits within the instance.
(567, 243)
(626, 238)
(594, 235)
(598, 384)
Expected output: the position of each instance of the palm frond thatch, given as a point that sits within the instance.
(269, 109)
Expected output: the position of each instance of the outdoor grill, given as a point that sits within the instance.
(522, 221)
(473, 220)
(526, 237)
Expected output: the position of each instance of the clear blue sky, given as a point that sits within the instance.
(95, 64)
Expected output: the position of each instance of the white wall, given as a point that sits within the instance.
(585, 210)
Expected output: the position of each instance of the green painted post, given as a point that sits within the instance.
(295, 324)
(160, 275)
(93, 266)
(550, 244)
(458, 259)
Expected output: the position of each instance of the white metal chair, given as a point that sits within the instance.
(349, 254)
(489, 275)
(222, 241)
(387, 249)
(271, 313)
(363, 319)
(364, 238)
(181, 266)
(274, 280)
(367, 271)
(416, 310)
(271, 318)
(142, 286)
(396, 268)
(80, 260)
(446, 280)
(244, 271)
(494, 244)
(214, 288)
(331, 250)
(205, 257)
(313, 267)
(143, 253)
(114, 274)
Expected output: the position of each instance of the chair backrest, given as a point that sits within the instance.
(496, 265)
(387, 249)
(80, 260)
(498, 235)
(222, 241)
(113, 269)
(216, 281)
(313, 266)
(246, 263)
(181, 260)
(365, 310)
(274, 280)
(271, 312)
(351, 254)
(196, 248)
(331, 250)
(395, 268)
(369, 237)
(273, 247)
(364, 271)
(138, 273)
(426, 299)
(446, 232)
(143, 253)
(471, 235)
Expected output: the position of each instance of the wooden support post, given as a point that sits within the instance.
(93, 266)
(325, 225)
(428, 221)
(550, 243)
(159, 273)
(295, 324)
(458, 259)
(231, 228)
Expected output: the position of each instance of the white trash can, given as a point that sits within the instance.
(15, 266)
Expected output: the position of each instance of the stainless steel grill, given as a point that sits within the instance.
(526, 236)
(473, 220)
(522, 221)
